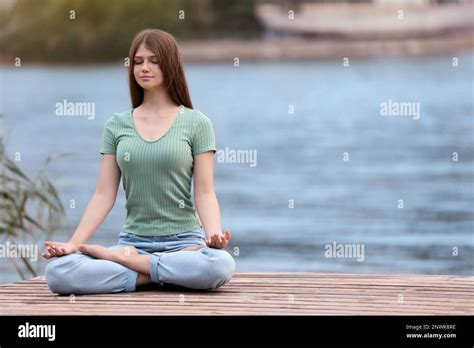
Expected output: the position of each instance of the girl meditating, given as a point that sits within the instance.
(156, 147)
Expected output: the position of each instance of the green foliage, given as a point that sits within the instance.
(30, 208)
(103, 30)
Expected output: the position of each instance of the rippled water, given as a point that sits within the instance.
(299, 157)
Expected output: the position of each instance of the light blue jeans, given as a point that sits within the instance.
(205, 269)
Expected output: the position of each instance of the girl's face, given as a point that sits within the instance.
(146, 69)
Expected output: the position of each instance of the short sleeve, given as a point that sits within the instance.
(204, 138)
(108, 138)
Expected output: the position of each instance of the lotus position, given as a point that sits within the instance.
(157, 148)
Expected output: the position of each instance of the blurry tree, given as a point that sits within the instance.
(95, 30)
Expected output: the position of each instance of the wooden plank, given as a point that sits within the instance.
(261, 293)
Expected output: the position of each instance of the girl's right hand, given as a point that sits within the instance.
(56, 249)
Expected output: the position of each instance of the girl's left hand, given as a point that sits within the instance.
(219, 241)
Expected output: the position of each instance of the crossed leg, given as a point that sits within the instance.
(96, 269)
(128, 257)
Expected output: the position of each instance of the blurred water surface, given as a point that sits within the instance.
(299, 157)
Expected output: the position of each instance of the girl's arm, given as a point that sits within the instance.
(206, 201)
(96, 211)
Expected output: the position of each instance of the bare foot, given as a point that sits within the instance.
(100, 252)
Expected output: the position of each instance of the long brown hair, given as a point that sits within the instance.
(164, 46)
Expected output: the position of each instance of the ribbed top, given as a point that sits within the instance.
(157, 174)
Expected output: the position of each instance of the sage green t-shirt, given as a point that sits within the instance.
(157, 174)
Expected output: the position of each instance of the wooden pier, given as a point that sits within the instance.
(261, 294)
